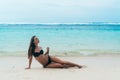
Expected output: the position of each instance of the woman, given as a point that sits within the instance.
(45, 59)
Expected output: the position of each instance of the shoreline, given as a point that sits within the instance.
(75, 53)
(68, 55)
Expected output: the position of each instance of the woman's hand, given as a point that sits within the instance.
(47, 52)
(47, 48)
(27, 68)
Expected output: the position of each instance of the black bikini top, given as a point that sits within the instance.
(36, 54)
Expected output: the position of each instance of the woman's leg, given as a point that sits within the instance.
(70, 64)
(54, 65)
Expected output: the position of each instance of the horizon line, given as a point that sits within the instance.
(68, 23)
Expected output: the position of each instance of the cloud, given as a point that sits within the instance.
(82, 3)
(56, 10)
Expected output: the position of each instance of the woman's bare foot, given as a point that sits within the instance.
(80, 66)
(83, 66)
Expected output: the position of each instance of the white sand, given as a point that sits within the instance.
(98, 68)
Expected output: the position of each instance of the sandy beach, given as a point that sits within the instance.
(98, 68)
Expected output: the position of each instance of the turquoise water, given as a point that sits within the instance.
(62, 39)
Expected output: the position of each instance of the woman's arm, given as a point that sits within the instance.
(30, 61)
(47, 52)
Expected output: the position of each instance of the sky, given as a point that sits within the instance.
(59, 11)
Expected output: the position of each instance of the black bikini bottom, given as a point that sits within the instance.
(49, 61)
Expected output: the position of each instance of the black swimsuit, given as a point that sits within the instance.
(36, 54)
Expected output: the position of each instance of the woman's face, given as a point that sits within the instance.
(36, 40)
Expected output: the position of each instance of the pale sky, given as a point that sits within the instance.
(59, 11)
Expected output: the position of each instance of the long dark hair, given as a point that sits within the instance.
(31, 47)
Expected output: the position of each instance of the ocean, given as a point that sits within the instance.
(63, 39)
